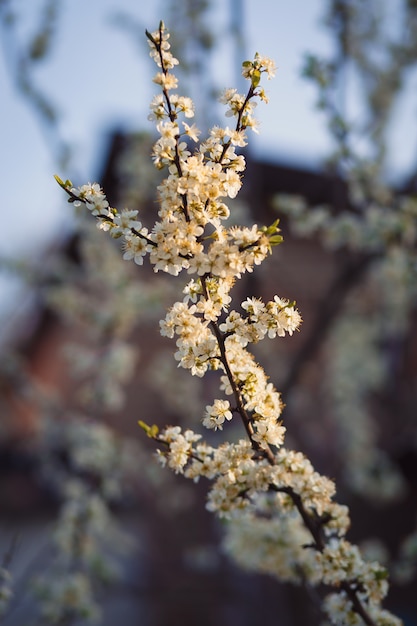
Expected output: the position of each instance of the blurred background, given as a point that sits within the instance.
(89, 523)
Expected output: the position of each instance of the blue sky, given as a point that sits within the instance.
(98, 78)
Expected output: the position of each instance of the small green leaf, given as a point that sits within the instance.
(66, 185)
(271, 230)
(144, 426)
(256, 78)
(149, 36)
(151, 431)
(275, 240)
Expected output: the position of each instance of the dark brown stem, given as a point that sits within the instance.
(220, 337)
(138, 234)
(226, 146)
(314, 525)
(356, 603)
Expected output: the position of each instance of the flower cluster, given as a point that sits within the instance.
(89, 476)
(267, 507)
(66, 597)
(189, 234)
(381, 226)
(355, 370)
(256, 481)
(216, 414)
(273, 319)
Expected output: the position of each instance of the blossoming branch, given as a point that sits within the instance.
(282, 516)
